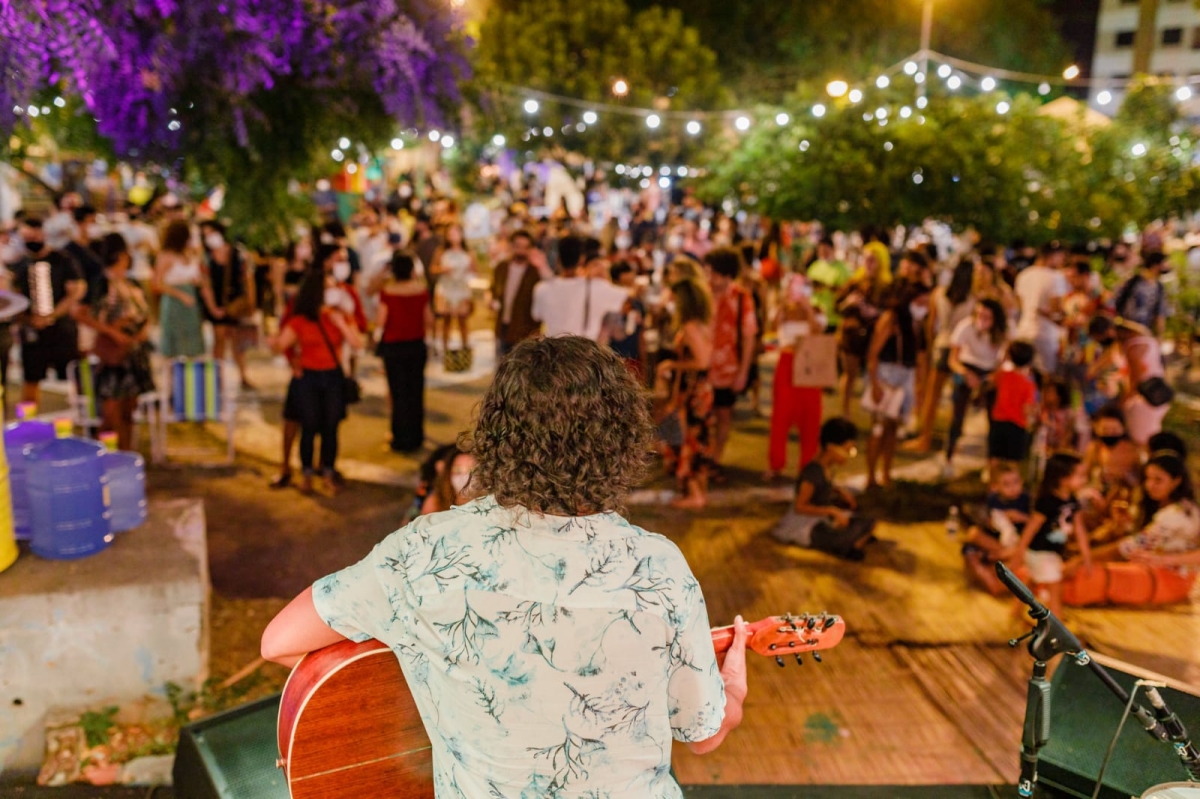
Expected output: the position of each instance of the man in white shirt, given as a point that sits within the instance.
(575, 303)
(1040, 289)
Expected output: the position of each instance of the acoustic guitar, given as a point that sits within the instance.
(337, 740)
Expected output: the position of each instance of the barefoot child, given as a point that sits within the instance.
(1053, 521)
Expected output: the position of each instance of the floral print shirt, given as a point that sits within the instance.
(548, 656)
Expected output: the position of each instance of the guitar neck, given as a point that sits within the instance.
(723, 636)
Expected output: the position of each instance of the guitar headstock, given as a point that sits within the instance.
(794, 635)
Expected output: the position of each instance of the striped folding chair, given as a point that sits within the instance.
(198, 390)
(85, 406)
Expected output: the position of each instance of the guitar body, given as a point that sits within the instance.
(348, 726)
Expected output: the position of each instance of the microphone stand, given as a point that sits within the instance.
(1048, 639)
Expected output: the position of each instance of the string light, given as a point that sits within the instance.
(922, 102)
(531, 106)
(855, 96)
(693, 127)
(1002, 107)
(1183, 93)
(988, 83)
(910, 68)
(782, 119)
(447, 142)
(919, 78)
(1043, 88)
(1138, 150)
(905, 112)
(61, 103)
(1071, 72)
(434, 135)
(343, 143)
(818, 110)
(653, 121)
(682, 172)
(954, 82)
(620, 88)
(547, 131)
(664, 183)
(497, 140)
(589, 117)
(337, 155)
(804, 145)
(881, 113)
(1104, 97)
(882, 82)
(944, 71)
(742, 123)
(837, 88)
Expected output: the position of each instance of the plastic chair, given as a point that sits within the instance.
(85, 405)
(198, 390)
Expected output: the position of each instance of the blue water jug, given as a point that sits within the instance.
(68, 496)
(126, 473)
(24, 432)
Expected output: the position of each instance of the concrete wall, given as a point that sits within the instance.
(1181, 60)
(114, 626)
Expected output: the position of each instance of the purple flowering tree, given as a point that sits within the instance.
(244, 92)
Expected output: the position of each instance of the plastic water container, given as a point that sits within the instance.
(126, 473)
(68, 496)
(24, 432)
(8, 542)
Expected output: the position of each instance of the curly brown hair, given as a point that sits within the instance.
(564, 429)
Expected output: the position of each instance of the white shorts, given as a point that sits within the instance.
(1045, 568)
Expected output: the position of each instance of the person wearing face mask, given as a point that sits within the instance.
(891, 371)
(404, 318)
(317, 332)
(231, 285)
(976, 348)
(85, 235)
(49, 335)
(179, 281)
(452, 485)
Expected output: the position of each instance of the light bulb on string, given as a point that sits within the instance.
(1071, 72)
(988, 83)
(1183, 93)
(919, 78)
(905, 112)
(61, 103)
(782, 119)
(887, 145)
(664, 183)
(682, 172)
(910, 68)
(742, 123)
(589, 117)
(1002, 107)
(818, 110)
(434, 135)
(664, 170)
(1138, 150)
(881, 113)
(882, 82)
(1043, 89)
(580, 127)
(547, 131)
(693, 127)
(944, 71)
(620, 88)
(836, 88)
(447, 142)
(498, 140)
(352, 168)
(1104, 98)
(922, 102)
(343, 143)
(398, 144)
(337, 155)
(855, 96)
(620, 169)
(804, 145)
(532, 106)
(868, 116)
(645, 183)
(953, 82)
(653, 121)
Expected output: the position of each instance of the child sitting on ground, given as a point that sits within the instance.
(823, 515)
(995, 526)
(1054, 519)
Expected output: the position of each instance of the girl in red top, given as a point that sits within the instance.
(317, 331)
(404, 317)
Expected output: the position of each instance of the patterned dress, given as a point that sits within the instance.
(548, 656)
(124, 306)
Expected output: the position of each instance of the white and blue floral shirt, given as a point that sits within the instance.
(549, 656)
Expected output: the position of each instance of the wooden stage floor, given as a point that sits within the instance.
(923, 691)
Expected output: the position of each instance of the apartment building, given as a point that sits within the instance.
(1176, 49)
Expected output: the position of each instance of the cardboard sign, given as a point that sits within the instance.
(816, 362)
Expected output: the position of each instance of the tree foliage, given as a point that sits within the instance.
(245, 92)
(1008, 175)
(578, 50)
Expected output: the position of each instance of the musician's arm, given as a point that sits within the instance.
(296, 631)
(733, 676)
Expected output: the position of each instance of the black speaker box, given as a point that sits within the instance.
(231, 755)
(1084, 716)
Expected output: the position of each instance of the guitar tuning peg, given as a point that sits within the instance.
(817, 656)
(799, 662)
(829, 622)
(779, 661)
(812, 623)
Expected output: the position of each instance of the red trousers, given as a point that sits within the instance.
(793, 407)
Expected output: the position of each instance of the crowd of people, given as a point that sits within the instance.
(1059, 350)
